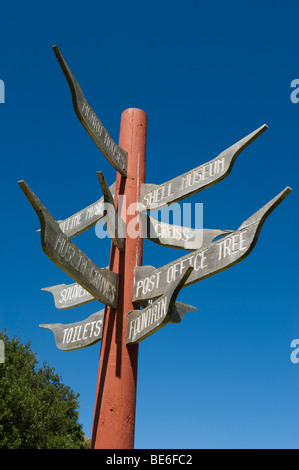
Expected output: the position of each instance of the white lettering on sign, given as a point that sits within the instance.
(92, 118)
(174, 232)
(98, 127)
(157, 195)
(184, 182)
(70, 223)
(72, 292)
(67, 250)
(97, 209)
(197, 261)
(222, 250)
(82, 332)
(101, 282)
(148, 317)
(232, 244)
(202, 173)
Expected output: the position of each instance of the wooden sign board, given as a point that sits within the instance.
(69, 295)
(207, 261)
(156, 196)
(80, 334)
(116, 227)
(73, 295)
(84, 219)
(116, 155)
(175, 236)
(101, 283)
(178, 310)
(143, 323)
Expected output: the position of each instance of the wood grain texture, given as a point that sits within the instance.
(176, 236)
(69, 295)
(143, 323)
(207, 261)
(116, 155)
(101, 283)
(79, 335)
(156, 196)
(73, 295)
(116, 227)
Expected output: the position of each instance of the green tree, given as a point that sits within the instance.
(37, 411)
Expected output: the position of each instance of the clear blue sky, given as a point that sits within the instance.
(206, 75)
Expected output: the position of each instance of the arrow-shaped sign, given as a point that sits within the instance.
(220, 255)
(80, 334)
(176, 236)
(73, 295)
(84, 219)
(116, 155)
(156, 196)
(143, 323)
(116, 227)
(101, 283)
(69, 295)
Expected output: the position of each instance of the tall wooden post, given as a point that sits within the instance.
(115, 403)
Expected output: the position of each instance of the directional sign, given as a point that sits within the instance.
(116, 155)
(175, 236)
(207, 261)
(69, 295)
(156, 196)
(179, 310)
(80, 334)
(84, 219)
(143, 323)
(116, 227)
(101, 283)
(73, 295)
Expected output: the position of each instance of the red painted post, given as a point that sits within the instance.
(114, 412)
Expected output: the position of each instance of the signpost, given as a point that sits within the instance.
(69, 295)
(143, 323)
(80, 334)
(207, 261)
(84, 219)
(101, 283)
(115, 225)
(73, 295)
(156, 196)
(126, 284)
(116, 155)
(175, 236)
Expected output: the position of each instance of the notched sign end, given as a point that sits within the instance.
(143, 323)
(261, 215)
(179, 311)
(116, 155)
(234, 151)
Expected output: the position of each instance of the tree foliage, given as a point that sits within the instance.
(37, 411)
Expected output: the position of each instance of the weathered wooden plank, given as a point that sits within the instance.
(179, 310)
(143, 323)
(73, 295)
(176, 236)
(84, 219)
(207, 261)
(156, 196)
(115, 225)
(69, 295)
(116, 155)
(79, 335)
(101, 283)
